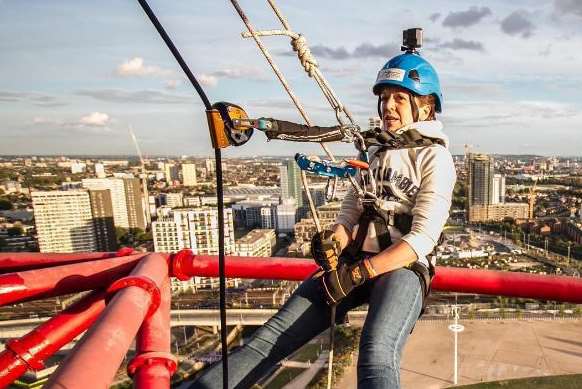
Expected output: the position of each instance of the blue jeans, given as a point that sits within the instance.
(395, 301)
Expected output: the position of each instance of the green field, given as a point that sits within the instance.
(284, 377)
(570, 381)
(309, 352)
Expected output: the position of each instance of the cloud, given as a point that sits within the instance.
(38, 99)
(246, 73)
(466, 18)
(135, 67)
(140, 96)
(434, 17)
(573, 7)
(517, 23)
(207, 80)
(364, 50)
(212, 79)
(95, 119)
(173, 84)
(461, 44)
(90, 121)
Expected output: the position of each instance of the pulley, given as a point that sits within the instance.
(223, 132)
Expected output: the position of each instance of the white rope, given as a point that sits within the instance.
(309, 63)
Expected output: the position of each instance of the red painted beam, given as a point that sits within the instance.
(185, 265)
(30, 351)
(12, 262)
(95, 359)
(59, 280)
(498, 283)
(510, 284)
(154, 365)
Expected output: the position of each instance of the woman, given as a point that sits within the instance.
(386, 264)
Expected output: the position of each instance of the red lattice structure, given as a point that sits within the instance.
(130, 299)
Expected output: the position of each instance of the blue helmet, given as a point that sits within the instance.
(413, 73)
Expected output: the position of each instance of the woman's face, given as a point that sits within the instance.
(395, 108)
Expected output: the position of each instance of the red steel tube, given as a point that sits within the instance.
(30, 351)
(510, 284)
(154, 365)
(499, 283)
(59, 280)
(95, 359)
(186, 265)
(11, 262)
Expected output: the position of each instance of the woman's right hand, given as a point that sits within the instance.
(342, 235)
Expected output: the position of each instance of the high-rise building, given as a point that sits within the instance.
(195, 229)
(170, 172)
(486, 192)
(135, 203)
(126, 198)
(172, 200)
(209, 166)
(189, 174)
(64, 221)
(257, 243)
(286, 212)
(498, 189)
(78, 167)
(291, 182)
(99, 170)
(116, 188)
(102, 211)
(480, 179)
(269, 217)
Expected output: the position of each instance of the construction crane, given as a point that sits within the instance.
(532, 200)
(143, 176)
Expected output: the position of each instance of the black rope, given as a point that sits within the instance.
(219, 189)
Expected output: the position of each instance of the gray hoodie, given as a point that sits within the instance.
(421, 180)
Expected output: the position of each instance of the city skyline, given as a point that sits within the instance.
(507, 70)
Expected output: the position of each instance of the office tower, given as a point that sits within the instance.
(135, 203)
(291, 182)
(99, 170)
(374, 122)
(64, 221)
(116, 188)
(102, 211)
(188, 174)
(480, 179)
(498, 189)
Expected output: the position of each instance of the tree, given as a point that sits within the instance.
(15, 231)
(5, 205)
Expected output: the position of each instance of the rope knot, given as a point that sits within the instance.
(307, 60)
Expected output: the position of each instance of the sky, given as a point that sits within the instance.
(75, 75)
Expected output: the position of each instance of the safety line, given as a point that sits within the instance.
(219, 189)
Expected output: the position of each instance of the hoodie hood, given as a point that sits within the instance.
(430, 129)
